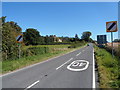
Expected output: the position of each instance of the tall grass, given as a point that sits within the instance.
(11, 65)
(49, 46)
(108, 69)
(35, 54)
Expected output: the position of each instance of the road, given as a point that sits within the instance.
(55, 73)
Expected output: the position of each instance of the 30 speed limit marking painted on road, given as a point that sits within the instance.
(78, 65)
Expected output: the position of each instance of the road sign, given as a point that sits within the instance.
(111, 26)
(101, 39)
(19, 38)
(78, 65)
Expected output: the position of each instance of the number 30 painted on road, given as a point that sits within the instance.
(78, 65)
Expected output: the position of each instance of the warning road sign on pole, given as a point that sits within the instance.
(19, 38)
(111, 26)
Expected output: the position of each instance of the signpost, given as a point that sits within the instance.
(19, 40)
(101, 39)
(111, 27)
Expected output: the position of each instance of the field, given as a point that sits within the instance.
(51, 46)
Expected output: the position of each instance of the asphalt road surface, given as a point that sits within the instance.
(72, 70)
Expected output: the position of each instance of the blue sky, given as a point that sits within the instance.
(63, 18)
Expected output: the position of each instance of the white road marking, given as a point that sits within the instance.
(32, 84)
(93, 70)
(64, 63)
(78, 54)
(78, 63)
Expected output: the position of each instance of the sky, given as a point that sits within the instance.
(63, 18)
(60, 0)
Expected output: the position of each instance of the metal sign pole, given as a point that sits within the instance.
(19, 40)
(19, 53)
(111, 26)
(112, 44)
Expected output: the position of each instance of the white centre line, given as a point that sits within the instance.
(64, 64)
(78, 54)
(32, 85)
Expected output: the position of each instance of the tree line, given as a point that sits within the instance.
(31, 36)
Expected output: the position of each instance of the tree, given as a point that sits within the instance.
(31, 37)
(72, 39)
(49, 39)
(76, 37)
(117, 40)
(65, 39)
(42, 40)
(15, 26)
(86, 36)
(46, 39)
(3, 19)
(9, 45)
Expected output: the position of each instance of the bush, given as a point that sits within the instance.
(77, 44)
(35, 51)
(108, 68)
(116, 51)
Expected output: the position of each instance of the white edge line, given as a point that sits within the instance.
(35, 64)
(32, 84)
(93, 70)
(64, 63)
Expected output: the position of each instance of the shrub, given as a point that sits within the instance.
(35, 51)
(77, 44)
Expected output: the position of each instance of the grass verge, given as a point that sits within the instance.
(11, 65)
(108, 69)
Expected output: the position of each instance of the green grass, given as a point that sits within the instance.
(50, 46)
(107, 69)
(11, 65)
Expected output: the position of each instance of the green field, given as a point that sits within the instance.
(55, 50)
(107, 68)
(50, 46)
